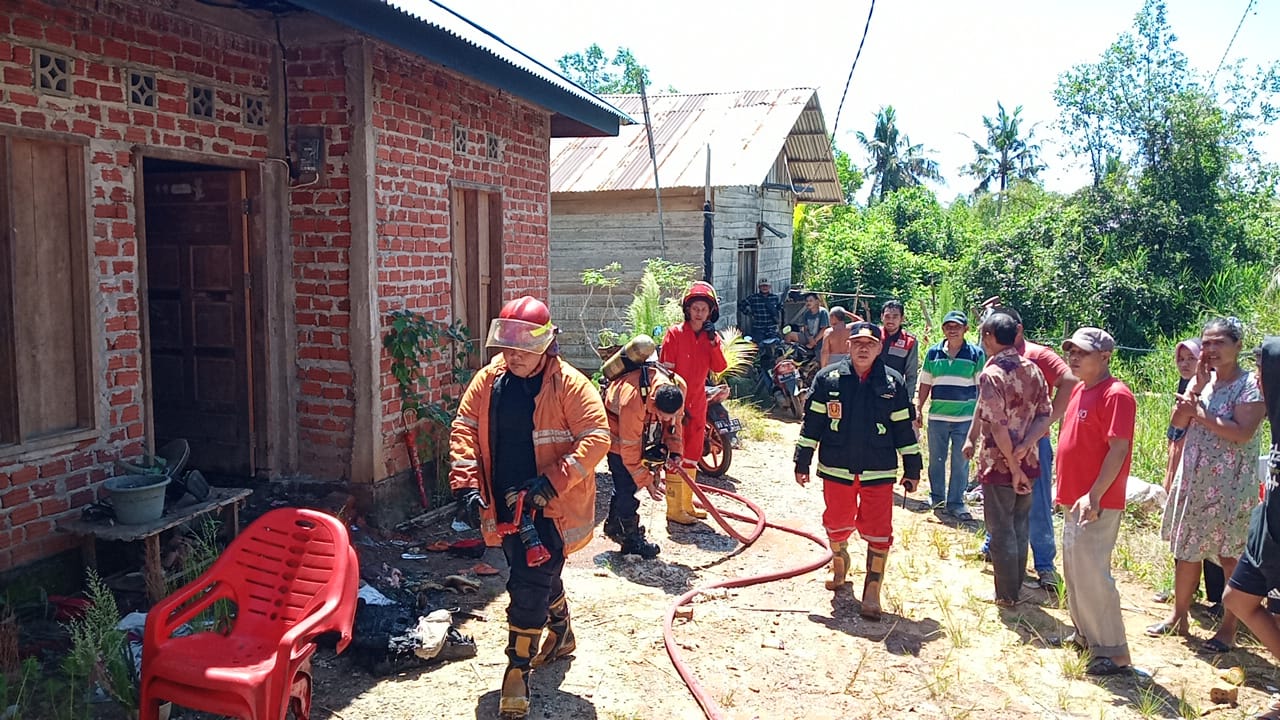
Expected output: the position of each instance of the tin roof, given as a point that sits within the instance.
(433, 31)
(746, 131)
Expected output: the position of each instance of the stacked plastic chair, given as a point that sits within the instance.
(292, 576)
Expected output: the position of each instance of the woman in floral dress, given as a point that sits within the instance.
(1208, 511)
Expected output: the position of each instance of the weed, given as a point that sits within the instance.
(857, 670)
(1186, 708)
(14, 701)
(941, 543)
(754, 427)
(728, 698)
(100, 653)
(1074, 664)
(954, 626)
(941, 677)
(1149, 703)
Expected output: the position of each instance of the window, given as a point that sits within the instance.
(459, 139)
(45, 370)
(255, 111)
(52, 73)
(142, 89)
(476, 231)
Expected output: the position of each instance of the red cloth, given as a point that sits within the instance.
(1051, 364)
(867, 509)
(692, 356)
(1094, 416)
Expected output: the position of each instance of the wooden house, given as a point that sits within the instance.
(752, 155)
(208, 211)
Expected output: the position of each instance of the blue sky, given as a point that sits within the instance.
(942, 63)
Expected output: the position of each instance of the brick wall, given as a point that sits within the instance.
(104, 39)
(321, 240)
(415, 107)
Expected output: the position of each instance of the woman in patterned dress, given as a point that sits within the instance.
(1208, 510)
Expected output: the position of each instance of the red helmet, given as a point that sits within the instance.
(701, 290)
(524, 324)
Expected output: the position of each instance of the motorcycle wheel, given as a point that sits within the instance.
(718, 453)
(795, 404)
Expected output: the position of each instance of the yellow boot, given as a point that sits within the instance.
(514, 702)
(689, 508)
(675, 501)
(559, 641)
(839, 563)
(871, 586)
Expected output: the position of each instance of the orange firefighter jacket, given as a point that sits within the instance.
(629, 415)
(570, 437)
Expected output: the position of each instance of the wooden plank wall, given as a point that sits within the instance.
(591, 230)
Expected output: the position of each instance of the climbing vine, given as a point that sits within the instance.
(415, 343)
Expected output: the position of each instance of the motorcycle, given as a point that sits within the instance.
(781, 374)
(721, 433)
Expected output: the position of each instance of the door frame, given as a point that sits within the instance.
(262, 390)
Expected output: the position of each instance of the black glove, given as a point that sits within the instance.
(540, 492)
(909, 484)
(469, 504)
(709, 328)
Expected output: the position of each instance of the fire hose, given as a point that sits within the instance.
(709, 707)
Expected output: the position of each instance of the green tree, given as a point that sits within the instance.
(593, 71)
(1007, 154)
(894, 162)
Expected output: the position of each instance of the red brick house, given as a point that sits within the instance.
(207, 213)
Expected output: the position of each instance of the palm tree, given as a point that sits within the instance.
(895, 162)
(1006, 155)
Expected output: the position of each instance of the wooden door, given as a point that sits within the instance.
(477, 263)
(197, 296)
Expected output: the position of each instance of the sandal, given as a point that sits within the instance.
(1214, 645)
(962, 516)
(1162, 629)
(1106, 666)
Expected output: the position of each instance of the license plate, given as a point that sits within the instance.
(731, 425)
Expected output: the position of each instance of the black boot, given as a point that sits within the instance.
(559, 641)
(613, 529)
(514, 702)
(633, 542)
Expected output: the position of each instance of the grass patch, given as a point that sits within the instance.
(754, 427)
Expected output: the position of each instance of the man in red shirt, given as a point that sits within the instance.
(1094, 451)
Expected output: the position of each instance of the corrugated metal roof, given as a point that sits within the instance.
(448, 38)
(746, 130)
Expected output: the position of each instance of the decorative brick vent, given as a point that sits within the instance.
(52, 73)
(142, 89)
(459, 139)
(493, 147)
(255, 111)
(201, 102)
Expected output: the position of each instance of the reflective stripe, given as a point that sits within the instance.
(459, 464)
(898, 415)
(576, 535)
(836, 472)
(462, 420)
(876, 538)
(805, 442)
(582, 472)
(880, 429)
(838, 530)
(913, 449)
(628, 442)
(878, 474)
(594, 431)
(543, 437)
(818, 407)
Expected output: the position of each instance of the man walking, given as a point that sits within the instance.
(529, 433)
(1060, 381)
(901, 351)
(949, 384)
(1094, 451)
(1012, 413)
(859, 421)
(763, 309)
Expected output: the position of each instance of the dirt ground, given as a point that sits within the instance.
(792, 649)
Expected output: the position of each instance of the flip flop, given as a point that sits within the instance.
(963, 516)
(1214, 645)
(1106, 666)
(1161, 629)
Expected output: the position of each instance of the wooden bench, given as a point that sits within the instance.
(90, 531)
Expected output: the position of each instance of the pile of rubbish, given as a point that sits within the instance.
(389, 637)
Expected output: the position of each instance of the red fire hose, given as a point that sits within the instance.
(709, 707)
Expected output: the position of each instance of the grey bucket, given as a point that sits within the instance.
(137, 499)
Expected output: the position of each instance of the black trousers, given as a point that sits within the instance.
(531, 589)
(1213, 582)
(623, 505)
(1008, 518)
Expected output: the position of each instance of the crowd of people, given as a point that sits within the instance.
(531, 429)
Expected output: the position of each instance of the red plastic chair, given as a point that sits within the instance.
(292, 576)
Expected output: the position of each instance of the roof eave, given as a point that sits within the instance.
(572, 116)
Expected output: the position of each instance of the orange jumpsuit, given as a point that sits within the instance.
(692, 356)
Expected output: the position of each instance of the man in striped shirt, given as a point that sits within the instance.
(949, 384)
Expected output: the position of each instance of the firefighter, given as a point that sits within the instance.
(859, 419)
(645, 406)
(692, 350)
(530, 431)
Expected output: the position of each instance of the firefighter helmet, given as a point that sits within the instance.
(524, 324)
(701, 290)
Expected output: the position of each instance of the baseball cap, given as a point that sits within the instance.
(1090, 339)
(763, 281)
(955, 316)
(864, 329)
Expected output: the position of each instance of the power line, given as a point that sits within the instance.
(1223, 59)
(849, 79)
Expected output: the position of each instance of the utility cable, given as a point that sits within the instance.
(865, 28)
(1223, 59)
